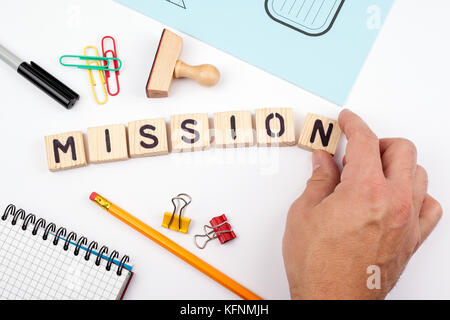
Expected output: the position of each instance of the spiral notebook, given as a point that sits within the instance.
(38, 260)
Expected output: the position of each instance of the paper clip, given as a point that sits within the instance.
(91, 77)
(220, 228)
(113, 52)
(105, 60)
(175, 221)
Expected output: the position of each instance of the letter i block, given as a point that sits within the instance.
(275, 126)
(233, 129)
(320, 133)
(65, 151)
(108, 143)
(190, 132)
(147, 138)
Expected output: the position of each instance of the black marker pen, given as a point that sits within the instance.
(41, 78)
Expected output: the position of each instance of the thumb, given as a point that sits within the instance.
(324, 179)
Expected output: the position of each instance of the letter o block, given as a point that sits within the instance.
(190, 132)
(65, 151)
(275, 127)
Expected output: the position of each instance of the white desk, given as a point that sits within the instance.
(403, 90)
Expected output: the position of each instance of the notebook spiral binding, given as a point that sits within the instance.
(50, 229)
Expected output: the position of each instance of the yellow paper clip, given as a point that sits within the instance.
(91, 77)
(174, 221)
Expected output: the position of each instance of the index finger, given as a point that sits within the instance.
(362, 154)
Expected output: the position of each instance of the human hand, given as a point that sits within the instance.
(375, 213)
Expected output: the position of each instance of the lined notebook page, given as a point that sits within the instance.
(33, 268)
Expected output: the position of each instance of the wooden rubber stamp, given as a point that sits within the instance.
(167, 65)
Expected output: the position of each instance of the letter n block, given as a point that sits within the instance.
(233, 129)
(275, 126)
(65, 151)
(108, 143)
(320, 133)
(147, 138)
(190, 132)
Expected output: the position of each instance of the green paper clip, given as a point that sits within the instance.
(105, 67)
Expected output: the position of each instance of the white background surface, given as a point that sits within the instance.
(403, 90)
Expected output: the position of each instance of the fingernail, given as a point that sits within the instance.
(316, 161)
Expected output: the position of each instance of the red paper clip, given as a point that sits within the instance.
(220, 228)
(113, 52)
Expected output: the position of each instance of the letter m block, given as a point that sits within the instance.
(65, 151)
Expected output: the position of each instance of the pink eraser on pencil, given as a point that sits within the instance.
(93, 196)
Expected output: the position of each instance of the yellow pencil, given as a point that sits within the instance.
(173, 247)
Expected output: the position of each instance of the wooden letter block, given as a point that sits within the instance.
(275, 126)
(108, 143)
(190, 132)
(233, 129)
(320, 133)
(147, 138)
(65, 151)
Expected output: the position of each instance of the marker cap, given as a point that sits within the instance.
(49, 84)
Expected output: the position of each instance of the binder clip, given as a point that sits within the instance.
(174, 220)
(220, 228)
(113, 53)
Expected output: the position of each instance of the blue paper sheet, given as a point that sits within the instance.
(319, 45)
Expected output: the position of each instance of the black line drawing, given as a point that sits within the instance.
(311, 17)
(179, 3)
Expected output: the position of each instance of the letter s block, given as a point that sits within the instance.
(65, 151)
(190, 132)
(147, 138)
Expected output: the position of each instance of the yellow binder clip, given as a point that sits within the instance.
(174, 220)
(91, 77)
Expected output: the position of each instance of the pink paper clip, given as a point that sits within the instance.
(113, 52)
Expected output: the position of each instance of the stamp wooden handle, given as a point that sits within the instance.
(205, 74)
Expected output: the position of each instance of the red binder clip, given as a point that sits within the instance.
(220, 228)
(113, 53)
